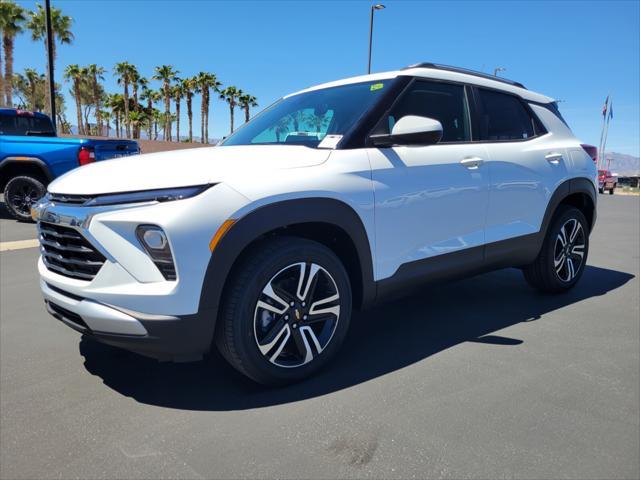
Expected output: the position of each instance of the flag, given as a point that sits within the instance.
(611, 110)
(604, 107)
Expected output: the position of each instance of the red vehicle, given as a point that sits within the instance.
(606, 181)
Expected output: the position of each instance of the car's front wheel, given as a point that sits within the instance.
(286, 311)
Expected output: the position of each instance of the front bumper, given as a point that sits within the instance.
(165, 338)
(128, 303)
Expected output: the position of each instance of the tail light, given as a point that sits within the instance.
(86, 155)
(591, 151)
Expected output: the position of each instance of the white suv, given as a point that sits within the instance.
(335, 197)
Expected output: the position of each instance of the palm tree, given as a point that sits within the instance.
(95, 74)
(150, 96)
(33, 78)
(188, 87)
(245, 102)
(231, 95)
(116, 103)
(206, 81)
(75, 74)
(12, 16)
(138, 119)
(105, 116)
(166, 74)
(177, 93)
(126, 73)
(158, 117)
(61, 28)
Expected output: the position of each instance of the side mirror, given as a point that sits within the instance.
(410, 130)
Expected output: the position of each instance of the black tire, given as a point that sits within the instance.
(20, 194)
(600, 190)
(543, 274)
(243, 320)
(611, 190)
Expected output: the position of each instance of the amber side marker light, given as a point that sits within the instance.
(224, 228)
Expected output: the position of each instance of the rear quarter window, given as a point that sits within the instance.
(504, 117)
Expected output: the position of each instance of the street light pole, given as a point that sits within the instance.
(373, 8)
(52, 84)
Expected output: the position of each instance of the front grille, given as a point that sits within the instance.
(69, 199)
(65, 251)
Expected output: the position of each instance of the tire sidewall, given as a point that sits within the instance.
(256, 364)
(563, 216)
(7, 195)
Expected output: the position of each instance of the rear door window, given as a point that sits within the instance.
(504, 117)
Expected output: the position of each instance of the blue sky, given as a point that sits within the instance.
(576, 51)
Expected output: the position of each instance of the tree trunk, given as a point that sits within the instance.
(206, 123)
(167, 112)
(96, 100)
(33, 99)
(203, 116)
(231, 119)
(7, 42)
(190, 115)
(76, 94)
(150, 108)
(127, 120)
(117, 120)
(178, 120)
(246, 113)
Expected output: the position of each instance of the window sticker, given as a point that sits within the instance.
(330, 141)
(376, 86)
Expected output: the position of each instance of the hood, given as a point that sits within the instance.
(181, 168)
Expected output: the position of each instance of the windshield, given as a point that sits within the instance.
(26, 125)
(315, 119)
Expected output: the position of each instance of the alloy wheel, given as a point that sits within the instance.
(23, 195)
(296, 314)
(569, 250)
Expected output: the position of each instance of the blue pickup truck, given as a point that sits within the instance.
(31, 156)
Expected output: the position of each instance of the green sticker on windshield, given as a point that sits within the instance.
(376, 86)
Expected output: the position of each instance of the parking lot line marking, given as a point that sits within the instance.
(18, 245)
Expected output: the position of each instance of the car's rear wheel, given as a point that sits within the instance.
(611, 190)
(601, 190)
(20, 194)
(563, 256)
(286, 312)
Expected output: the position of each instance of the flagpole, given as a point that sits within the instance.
(600, 147)
(606, 133)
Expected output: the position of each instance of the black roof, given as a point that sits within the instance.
(448, 68)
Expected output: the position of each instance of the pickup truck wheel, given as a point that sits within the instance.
(286, 313)
(563, 256)
(611, 190)
(20, 194)
(601, 190)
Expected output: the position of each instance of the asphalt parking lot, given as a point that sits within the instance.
(482, 378)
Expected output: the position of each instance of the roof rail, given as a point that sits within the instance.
(448, 68)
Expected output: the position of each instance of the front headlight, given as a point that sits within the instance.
(160, 195)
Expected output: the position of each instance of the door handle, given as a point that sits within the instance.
(472, 163)
(553, 157)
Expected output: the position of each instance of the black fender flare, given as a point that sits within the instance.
(26, 160)
(272, 217)
(569, 187)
